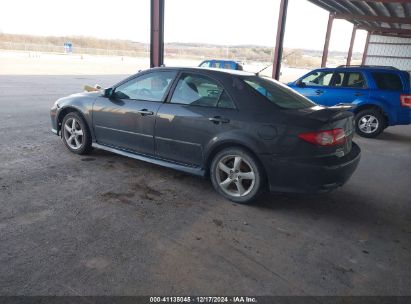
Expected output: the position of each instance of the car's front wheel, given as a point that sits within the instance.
(369, 123)
(237, 175)
(75, 134)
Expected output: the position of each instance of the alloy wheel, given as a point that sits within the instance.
(73, 134)
(235, 176)
(368, 124)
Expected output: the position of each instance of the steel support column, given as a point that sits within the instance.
(354, 31)
(327, 39)
(278, 52)
(367, 42)
(157, 33)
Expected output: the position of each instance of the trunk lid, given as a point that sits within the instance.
(329, 118)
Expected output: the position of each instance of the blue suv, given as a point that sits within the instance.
(381, 95)
(221, 64)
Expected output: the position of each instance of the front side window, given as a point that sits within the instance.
(198, 90)
(278, 93)
(387, 81)
(338, 80)
(318, 79)
(205, 64)
(150, 87)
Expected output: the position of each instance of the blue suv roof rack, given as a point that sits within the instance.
(369, 66)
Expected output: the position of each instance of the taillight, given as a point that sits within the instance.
(325, 138)
(405, 100)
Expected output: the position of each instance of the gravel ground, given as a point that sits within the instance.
(103, 224)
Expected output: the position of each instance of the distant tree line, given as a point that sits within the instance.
(83, 44)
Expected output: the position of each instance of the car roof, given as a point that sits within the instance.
(363, 68)
(212, 70)
(221, 60)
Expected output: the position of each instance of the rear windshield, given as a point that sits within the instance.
(279, 94)
(388, 81)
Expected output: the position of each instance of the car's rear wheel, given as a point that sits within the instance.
(237, 175)
(369, 123)
(75, 134)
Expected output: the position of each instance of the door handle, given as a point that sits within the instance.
(218, 119)
(319, 92)
(357, 94)
(145, 112)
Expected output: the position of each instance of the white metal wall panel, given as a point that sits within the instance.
(389, 51)
(388, 39)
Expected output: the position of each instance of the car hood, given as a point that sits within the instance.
(86, 94)
(78, 99)
(81, 95)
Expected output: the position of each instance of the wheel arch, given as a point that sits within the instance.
(66, 110)
(369, 106)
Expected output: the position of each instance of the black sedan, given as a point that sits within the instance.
(246, 132)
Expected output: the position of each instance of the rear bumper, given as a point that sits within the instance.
(310, 175)
(404, 118)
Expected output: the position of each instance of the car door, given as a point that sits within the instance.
(346, 86)
(198, 110)
(315, 86)
(126, 119)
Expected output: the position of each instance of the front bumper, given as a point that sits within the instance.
(53, 117)
(310, 175)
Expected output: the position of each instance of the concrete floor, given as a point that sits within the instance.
(107, 225)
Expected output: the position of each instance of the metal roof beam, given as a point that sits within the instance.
(278, 51)
(384, 1)
(374, 18)
(157, 33)
(386, 30)
(407, 10)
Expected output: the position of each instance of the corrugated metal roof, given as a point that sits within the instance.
(386, 17)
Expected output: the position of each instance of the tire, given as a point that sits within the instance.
(237, 175)
(80, 141)
(369, 123)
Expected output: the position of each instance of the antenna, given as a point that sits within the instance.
(257, 74)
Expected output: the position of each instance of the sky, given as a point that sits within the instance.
(225, 22)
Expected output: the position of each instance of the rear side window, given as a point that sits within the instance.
(215, 64)
(227, 65)
(348, 80)
(388, 81)
(354, 80)
(278, 93)
(199, 90)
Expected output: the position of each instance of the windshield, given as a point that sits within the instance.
(279, 94)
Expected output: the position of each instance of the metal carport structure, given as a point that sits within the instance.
(384, 18)
(380, 18)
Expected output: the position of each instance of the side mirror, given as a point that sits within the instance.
(108, 93)
(300, 83)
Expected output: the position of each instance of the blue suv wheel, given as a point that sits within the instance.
(369, 123)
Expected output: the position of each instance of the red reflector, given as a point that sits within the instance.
(405, 100)
(325, 138)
